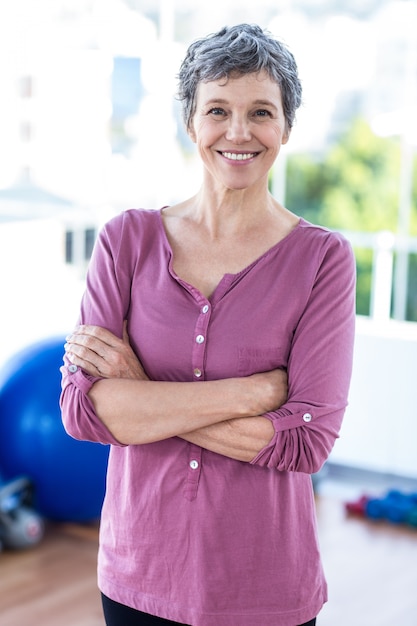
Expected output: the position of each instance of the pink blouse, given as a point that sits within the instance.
(187, 534)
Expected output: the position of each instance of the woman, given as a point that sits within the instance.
(228, 387)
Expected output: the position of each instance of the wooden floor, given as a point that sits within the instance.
(53, 584)
(371, 570)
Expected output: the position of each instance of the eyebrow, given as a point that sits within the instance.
(224, 101)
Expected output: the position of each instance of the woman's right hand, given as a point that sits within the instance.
(100, 353)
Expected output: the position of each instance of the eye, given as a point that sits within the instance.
(217, 112)
(263, 113)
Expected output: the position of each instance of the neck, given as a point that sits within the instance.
(228, 211)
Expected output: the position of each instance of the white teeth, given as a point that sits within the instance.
(238, 157)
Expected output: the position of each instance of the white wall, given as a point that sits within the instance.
(40, 295)
(380, 428)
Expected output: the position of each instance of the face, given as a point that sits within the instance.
(239, 127)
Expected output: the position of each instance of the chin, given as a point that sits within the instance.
(242, 185)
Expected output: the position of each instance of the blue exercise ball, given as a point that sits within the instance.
(68, 475)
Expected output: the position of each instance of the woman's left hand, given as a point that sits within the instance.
(101, 353)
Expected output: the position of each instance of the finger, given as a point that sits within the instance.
(83, 353)
(100, 333)
(87, 366)
(100, 342)
(85, 346)
(91, 351)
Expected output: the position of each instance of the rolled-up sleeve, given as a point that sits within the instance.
(105, 303)
(78, 415)
(319, 369)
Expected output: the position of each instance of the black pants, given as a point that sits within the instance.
(120, 615)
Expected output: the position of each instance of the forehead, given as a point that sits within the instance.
(245, 87)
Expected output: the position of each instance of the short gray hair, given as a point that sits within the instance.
(235, 51)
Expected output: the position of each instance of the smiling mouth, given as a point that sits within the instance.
(238, 156)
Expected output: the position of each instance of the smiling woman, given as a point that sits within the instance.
(241, 120)
(214, 354)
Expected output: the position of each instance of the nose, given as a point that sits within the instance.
(238, 130)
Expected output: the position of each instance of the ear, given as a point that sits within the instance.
(286, 135)
(191, 133)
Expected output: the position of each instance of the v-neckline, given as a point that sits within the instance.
(227, 280)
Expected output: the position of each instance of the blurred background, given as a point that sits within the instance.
(90, 126)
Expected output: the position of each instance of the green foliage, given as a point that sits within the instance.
(353, 187)
(412, 288)
(413, 221)
(364, 258)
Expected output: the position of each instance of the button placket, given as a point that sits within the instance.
(193, 471)
(200, 338)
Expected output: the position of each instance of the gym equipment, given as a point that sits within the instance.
(395, 506)
(358, 507)
(68, 475)
(20, 526)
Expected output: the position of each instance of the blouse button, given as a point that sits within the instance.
(194, 464)
(307, 417)
(199, 339)
(72, 369)
(205, 308)
(197, 372)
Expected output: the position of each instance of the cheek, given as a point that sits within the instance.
(196, 129)
(280, 136)
(202, 133)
